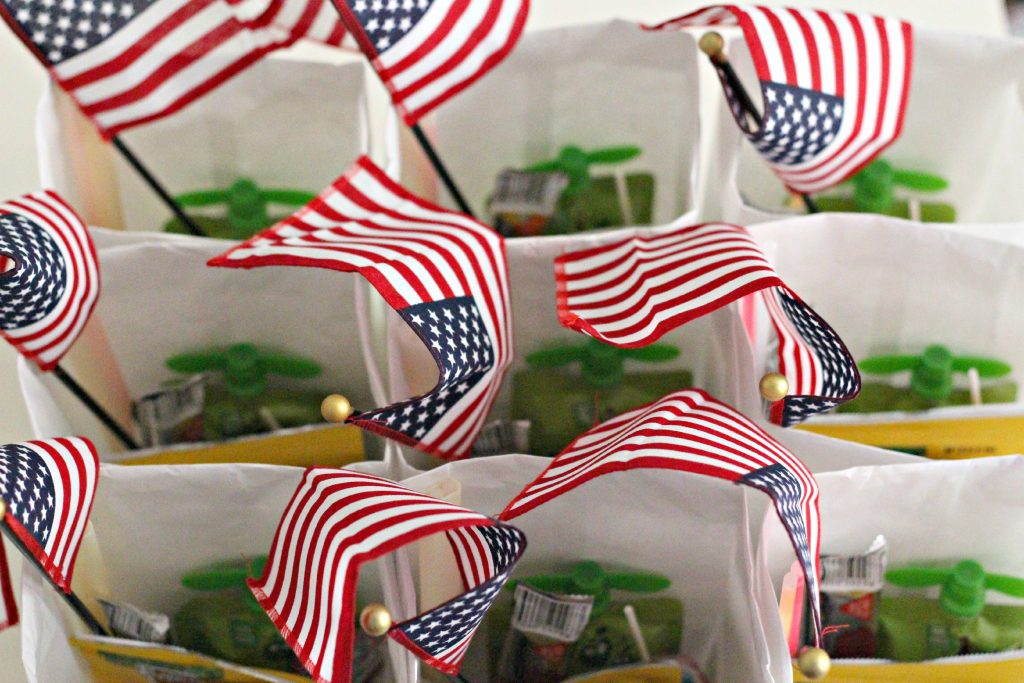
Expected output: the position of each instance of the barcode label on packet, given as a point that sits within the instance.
(559, 617)
(863, 573)
(503, 436)
(128, 621)
(528, 193)
(160, 413)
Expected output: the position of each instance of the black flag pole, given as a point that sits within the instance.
(712, 44)
(157, 187)
(441, 170)
(72, 600)
(95, 408)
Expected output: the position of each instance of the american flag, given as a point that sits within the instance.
(337, 521)
(631, 292)
(427, 51)
(48, 487)
(8, 607)
(834, 87)
(444, 273)
(46, 298)
(691, 431)
(815, 361)
(127, 62)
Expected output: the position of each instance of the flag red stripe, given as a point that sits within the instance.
(811, 45)
(451, 19)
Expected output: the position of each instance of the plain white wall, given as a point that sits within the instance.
(21, 80)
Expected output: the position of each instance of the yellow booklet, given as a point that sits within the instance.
(944, 434)
(996, 668)
(115, 660)
(326, 445)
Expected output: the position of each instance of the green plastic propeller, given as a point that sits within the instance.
(963, 586)
(245, 366)
(575, 163)
(874, 185)
(589, 578)
(602, 365)
(246, 204)
(932, 371)
(226, 574)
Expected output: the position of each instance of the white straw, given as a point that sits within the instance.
(634, 628)
(974, 383)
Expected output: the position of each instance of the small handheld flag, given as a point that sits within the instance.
(51, 287)
(337, 521)
(427, 51)
(444, 273)
(630, 293)
(129, 62)
(49, 283)
(691, 431)
(48, 488)
(834, 87)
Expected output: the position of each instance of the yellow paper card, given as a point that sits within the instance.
(114, 660)
(942, 439)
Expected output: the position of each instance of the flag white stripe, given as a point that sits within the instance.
(468, 66)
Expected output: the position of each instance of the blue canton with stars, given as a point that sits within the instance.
(33, 288)
(386, 22)
(27, 490)
(786, 491)
(797, 122)
(840, 379)
(447, 626)
(62, 29)
(455, 334)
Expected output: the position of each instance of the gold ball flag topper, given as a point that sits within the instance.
(773, 387)
(336, 408)
(375, 619)
(814, 663)
(711, 44)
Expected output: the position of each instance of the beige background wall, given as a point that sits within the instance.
(21, 80)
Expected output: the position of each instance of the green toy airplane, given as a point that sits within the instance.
(243, 403)
(606, 641)
(874, 191)
(931, 382)
(588, 202)
(246, 209)
(560, 407)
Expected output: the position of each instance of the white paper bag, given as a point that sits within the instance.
(894, 286)
(593, 86)
(964, 122)
(284, 123)
(694, 531)
(159, 298)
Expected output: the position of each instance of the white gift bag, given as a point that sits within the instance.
(714, 348)
(894, 286)
(593, 86)
(695, 532)
(930, 514)
(159, 298)
(284, 123)
(151, 525)
(964, 122)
